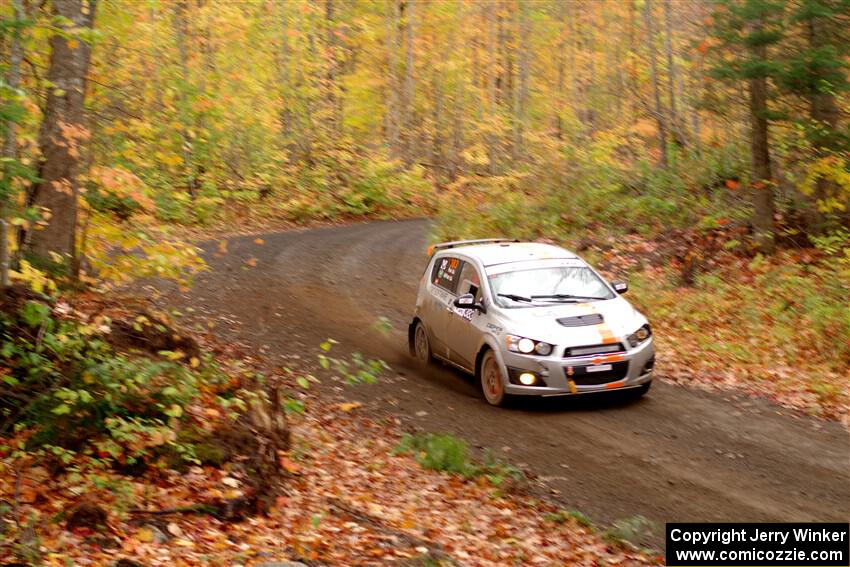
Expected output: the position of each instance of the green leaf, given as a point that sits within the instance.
(62, 409)
(303, 382)
(293, 406)
(34, 313)
(174, 411)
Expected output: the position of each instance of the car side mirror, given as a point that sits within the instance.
(620, 286)
(467, 301)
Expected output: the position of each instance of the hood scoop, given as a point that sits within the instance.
(581, 320)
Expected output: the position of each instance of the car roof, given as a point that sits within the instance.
(508, 252)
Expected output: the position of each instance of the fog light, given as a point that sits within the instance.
(527, 378)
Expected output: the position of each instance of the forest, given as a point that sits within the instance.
(702, 147)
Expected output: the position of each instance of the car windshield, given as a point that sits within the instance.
(557, 284)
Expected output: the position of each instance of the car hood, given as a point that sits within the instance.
(541, 323)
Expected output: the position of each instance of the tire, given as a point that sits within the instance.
(421, 344)
(491, 380)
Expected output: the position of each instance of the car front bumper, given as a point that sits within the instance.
(562, 375)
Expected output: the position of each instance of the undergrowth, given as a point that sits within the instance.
(65, 385)
(447, 453)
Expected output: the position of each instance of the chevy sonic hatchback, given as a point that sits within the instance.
(529, 319)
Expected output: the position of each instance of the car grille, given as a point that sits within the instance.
(590, 350)
(581, 320)
(584, 378)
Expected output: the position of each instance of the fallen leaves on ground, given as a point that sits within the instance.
(345, 463)
(348, 500)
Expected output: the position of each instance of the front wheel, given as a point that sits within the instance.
(491, 380)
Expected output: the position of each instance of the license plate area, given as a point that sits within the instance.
(597, 374)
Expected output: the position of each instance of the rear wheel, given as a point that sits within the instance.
(421, 344)
(491, 380)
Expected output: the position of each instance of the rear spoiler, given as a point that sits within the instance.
(457, 243)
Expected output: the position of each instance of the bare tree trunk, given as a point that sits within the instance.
(334, 101)
(459, 105)
(559, 84)
(520, 94)
(762, 176)
(393, 103)
(825, 114)
(575, 90)
(13, 79)
(492, 152)
(633, 47)
(675, 125)
(204, 86)
(619, 82)
(181, 31)
(284, 55)
(696, 122)
(504, 69)
(437, 117)
(4, 254)
(409, 85)
(61, 134)
(10, 142)
(590, 86)
(656, 89)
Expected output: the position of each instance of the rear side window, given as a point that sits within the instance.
(469, 281)
(446, 273)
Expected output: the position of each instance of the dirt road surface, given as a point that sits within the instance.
(679, 454)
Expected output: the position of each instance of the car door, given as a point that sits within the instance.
(465, 326)
(441, 295)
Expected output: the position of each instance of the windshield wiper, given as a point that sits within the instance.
(514, 297)
(565, 296)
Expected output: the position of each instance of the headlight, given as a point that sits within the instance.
(543, 349)
(528, 346)
(640, 335)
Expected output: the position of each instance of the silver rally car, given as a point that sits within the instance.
(529, 319)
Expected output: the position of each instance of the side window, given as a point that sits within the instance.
(446, 272)
(470, 282)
